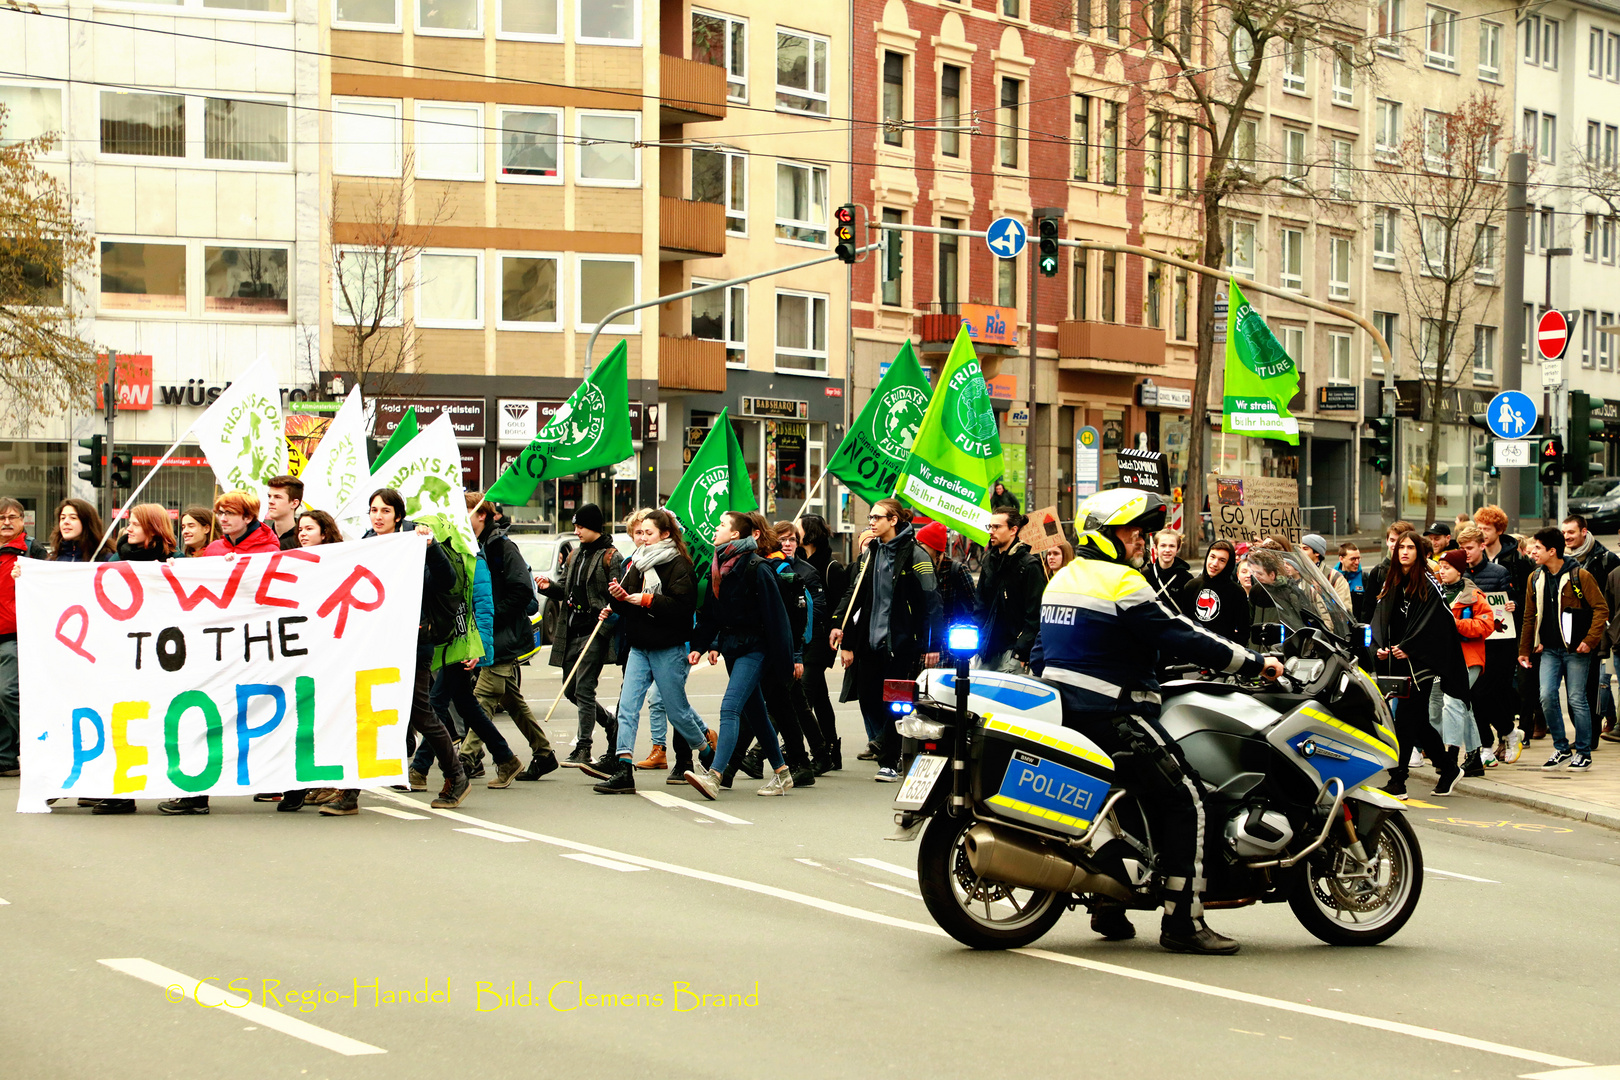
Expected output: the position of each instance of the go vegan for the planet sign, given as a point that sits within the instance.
(218, 676)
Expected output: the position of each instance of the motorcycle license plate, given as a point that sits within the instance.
(926, 769)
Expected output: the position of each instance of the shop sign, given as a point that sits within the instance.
(515, 420)
(1018, 418)
(1003, 387)
(1150, 395)
(134, 378)
(472, 468)
(198, 392)
(773, 408)
(833, 391)
(1335, 398)
(990, 325)
(466, 415)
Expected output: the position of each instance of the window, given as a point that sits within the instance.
(449, 286)
(894, 98)
(1490, 51)
(1185, 44)
(1547, 142)
(801, 72)
(1110, 143)
(529, 292)
(365, 137)
(608, 22)
(1436, 140)
(148, 125)
(605, 283)
(1606, 343)
(722, 315)
(1184, 158)
(801, 204)
(1082, 137)
(1007, 122)
(1432, 343)
(365, 287)
(1385, 322)
(529, 20)
(1082, 284)
(1110, 287)
(1294, 168)
(950, 110)
(35, 272)
(31, 111)
(531, 145)
(1487, 242)
(1547, 219)
(143, 277)
(1153, 312)
(1338, 268)
(1442, 50)
(1606, 239)
(1611, 59)
(801, 331)
(1594, 53)
(722, 40)
(449, 141)
(236, 130)
(893, 258)
(1291, 259)
(1589, 247)
(721, 176)
(1180, 304)
(1344, 75)
(1293, 343)
(245, 280)
(366, 14)
(1588, 337)
(1294, 64)
(1489, 146)
(1387, 131)
(608, 155)
(1611, 146)
(1343, 167)
(1391, 14)
(1153, 154)
(1012, 8)
(1240, 247)
(1007, 283)
(1386, 224)
(1339, 373)
(1245, 143)
(1530, 33)
(949, 266)
(1113, 20)
(1155, 12)
(449, 17)
(1484, 354)
(1549, 44)
(1082, 16)
(1437, 240)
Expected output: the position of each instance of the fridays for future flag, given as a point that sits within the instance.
(427, 473)
(591, 430)
(871, 456)
(1261, 378)
(337, 475)
(715, 481)
(956, 457)
(241, 434)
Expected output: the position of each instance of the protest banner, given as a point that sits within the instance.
(218, 676)
(242, 434)
(714, 482)
(1250, 507)
(1261, 378)
(1504, 618)
(870, 457)
(1043, 529)
(427, 474)
(1145, 469)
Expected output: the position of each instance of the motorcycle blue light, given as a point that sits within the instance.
(963, 638)
(901, 707)
(1366, 636)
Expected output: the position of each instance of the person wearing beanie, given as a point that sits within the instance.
(1475, 622)
(1315, 548)
(1010, 587)
(583, 592)
(956, 593)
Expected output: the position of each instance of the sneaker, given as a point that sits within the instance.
(1512, 747)
(605, 767)
(418, 780)
(707, 782)
(887, 776)
(622, 782)
(1448, 782)
(1396, 789)
(113, 806)
(753, 764)
(580, 757)
(323, 796)
(345, 804)
(291, 802)
(654, 760)
(473, 767)
(1580, 762)
(779, 784)
(505, 771)
(1417, 760)
(1612, 735)
(1474, 763)
(869, 754)
(804, 777)
(194, 804)
(539, 766)
(1487, 757)
(677, 775)
(1558, 760)
(454, 793)
(267, 796)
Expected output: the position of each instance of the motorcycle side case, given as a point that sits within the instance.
(1038, 774)
(992, 693)
(1328, 747)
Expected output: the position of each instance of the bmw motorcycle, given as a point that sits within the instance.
(1021, 818)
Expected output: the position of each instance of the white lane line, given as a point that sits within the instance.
(389, 811)
(5, 903)
(664, 798)
(487, 835)
(1590, 1072)
(879, 864)
(610, 864)
(807, 862)
(178, 987)
(1460, 877)
(851, 912)
(886, 887)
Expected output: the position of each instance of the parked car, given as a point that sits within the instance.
(544, 553)
(1598, 501)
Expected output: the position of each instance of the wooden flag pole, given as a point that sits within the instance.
(588, 642)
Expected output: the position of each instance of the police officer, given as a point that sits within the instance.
(1102, 630)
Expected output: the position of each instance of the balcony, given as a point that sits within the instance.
(1082, 345)
(937, 331)
(692, 365)
(690, 230)
(692, 91)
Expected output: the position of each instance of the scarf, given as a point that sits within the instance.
(653, 555)
(725, 558)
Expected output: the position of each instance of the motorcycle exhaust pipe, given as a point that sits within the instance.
(998, 856)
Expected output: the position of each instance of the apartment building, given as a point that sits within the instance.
(189, 143)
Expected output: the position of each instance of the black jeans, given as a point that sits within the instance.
(814, 685)
(1412, 729)
(582, 689)
(872, 667)
(1495, 699)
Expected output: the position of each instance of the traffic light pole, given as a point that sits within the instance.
(110, 410)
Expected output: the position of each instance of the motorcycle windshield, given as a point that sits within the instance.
(1303, 597)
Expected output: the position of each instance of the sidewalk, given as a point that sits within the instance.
(1592, 797)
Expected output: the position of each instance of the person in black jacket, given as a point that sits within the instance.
(894, 620)
(1167, 572)
(77, 536)
(1502, 548)
(815, 546)
(1010, 587)
(583, 592)
(1002, 499)
(958, 598)
(1586, 551)
(1374, 577)
(1214, 599)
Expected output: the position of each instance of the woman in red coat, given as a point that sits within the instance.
(240, 529)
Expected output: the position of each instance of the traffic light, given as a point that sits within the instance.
(90, 462)
(1550, 460)
(1582, 427)
(894, 255)
(847, 248)
(122, 470)
(1482, 460)
(1383, 458)
(1048, 228)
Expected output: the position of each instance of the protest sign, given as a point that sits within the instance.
(870, 457)
(956, 455)
(1145, 469)
(1043, 529)
(337, 478)
(1250, 507)
(218, 676)
(1504, 618)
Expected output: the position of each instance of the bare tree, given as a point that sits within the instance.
(1450, 204)
(1597, 174)
(46, 365)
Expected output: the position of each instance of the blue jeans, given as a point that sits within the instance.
(667, 670)
(1453, 717)
(1572, 668)
(657, 715)
(743, 699)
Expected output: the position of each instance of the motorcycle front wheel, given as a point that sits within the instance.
(1343, 904)
(981, 914)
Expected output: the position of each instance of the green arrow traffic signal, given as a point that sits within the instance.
(1048, 229)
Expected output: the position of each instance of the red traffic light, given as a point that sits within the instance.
(845, 215)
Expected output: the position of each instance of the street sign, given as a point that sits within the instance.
(1087, 461)
(1552, 374)
(1006, 237)
(1511, 415)
(1511, 453)
(1552, 334)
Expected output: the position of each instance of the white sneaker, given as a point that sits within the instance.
(1417, 760)
(1512, 746)
(1487, 757)
(779, 784)
(887, 776)
(706, 781)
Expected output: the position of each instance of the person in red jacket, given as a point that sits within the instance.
(240, 529)
(15, 544)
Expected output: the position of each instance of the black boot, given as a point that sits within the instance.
(1194, 936)
(683, 759)
(540, 766)
(291, 802)
(1108, 918)
(603, 768)
(835, 754)
(622, 782)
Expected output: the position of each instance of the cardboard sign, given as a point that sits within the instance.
(1043, 529)
(1504, 618)
(1250, 507)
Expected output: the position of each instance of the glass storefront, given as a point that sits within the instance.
(35, 474)
(1458, 486)
(41, 474)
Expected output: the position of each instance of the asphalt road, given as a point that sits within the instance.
(1506, 970)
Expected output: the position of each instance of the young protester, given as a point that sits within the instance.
(283, 499)
(1475, 623)
(816, 547)
(1057, 557)
(1349, 568)
(1565, 614)
(1494, 696)
(1009, 607)
(77, 535)
(316, 527)
(957, 595)
(148, 534)
(197, 530)
(819, 738)
(1167, 572)
(241, 531)
(1504, 549)
(583, 593)
(1214, 599)
(1315, 548)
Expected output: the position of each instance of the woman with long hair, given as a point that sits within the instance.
(198, 529)
(1056, 557)
(77, 534)
(316, 527)
(1214, 598)
(149, 537)
(816, 546)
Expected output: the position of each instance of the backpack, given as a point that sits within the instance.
(449, 611)
(796, 598)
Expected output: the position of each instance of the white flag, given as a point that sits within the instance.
(427, 473)
(242, 433)
(338, 476)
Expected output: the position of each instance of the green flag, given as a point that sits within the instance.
(715, 481)
(591, 430)
(404, 433)
(1261, 378)
(869, 459)
(956, 457)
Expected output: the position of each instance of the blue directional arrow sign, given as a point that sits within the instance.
(1511, 415)
(1006, 237)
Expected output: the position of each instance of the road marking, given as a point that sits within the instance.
(807, 862)
(488, 835)
(1586, 1072)
(1426, 805)
(208, 995)
(863, 915)
(389, 811)
(1460, 877)
(886, 887)
(879, 864)
(664, 798)
(610, 864)
(5, 903)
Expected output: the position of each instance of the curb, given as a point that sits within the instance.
(1591, 813)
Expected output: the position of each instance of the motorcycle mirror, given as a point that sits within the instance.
(1271, 634)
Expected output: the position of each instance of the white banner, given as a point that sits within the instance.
(338, 477)
(218, 676)
(427, 472)
(242, 433)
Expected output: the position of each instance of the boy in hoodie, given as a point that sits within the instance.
(1495, 696)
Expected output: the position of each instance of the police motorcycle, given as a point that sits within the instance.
(1021, 819)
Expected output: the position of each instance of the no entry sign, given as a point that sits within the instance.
(1552, 334)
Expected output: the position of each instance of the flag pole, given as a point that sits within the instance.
(582, 653)
(162, 461)
(810, 498)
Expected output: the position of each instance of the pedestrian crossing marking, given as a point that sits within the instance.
(489, 835)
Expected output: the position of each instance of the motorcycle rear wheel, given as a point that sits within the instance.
(1350, 911)
(980, 914)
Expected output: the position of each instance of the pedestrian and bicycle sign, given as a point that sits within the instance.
(1511, 453)
(1552, 334)
(1511, 415)
(1006, 237)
